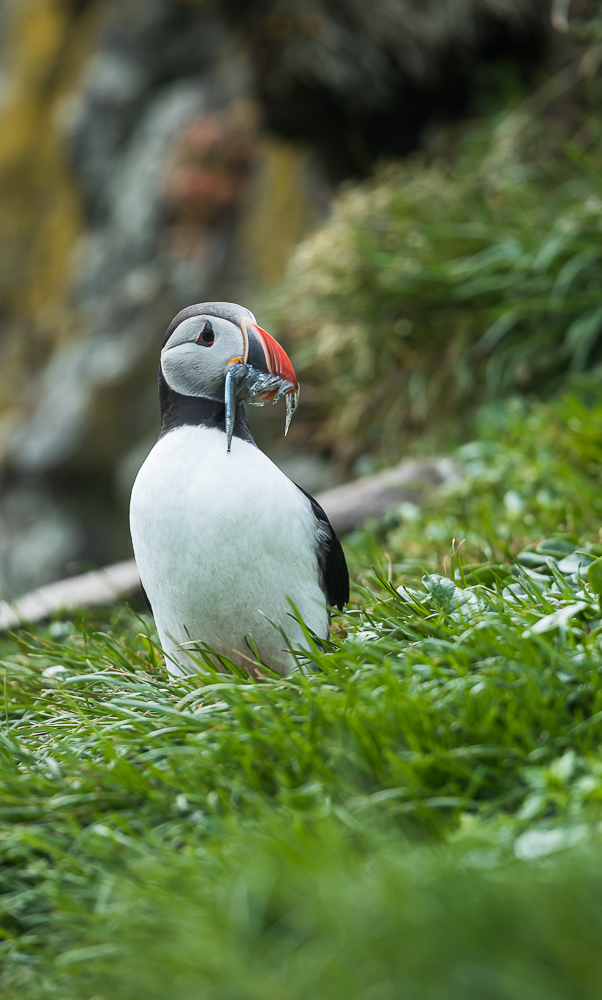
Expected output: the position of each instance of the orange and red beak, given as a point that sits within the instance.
(266, 355)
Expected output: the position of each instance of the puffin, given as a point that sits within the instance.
(236, 560)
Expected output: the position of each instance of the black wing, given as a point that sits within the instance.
(331, 558)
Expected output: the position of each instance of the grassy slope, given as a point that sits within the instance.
(454, 277)
(402, 815)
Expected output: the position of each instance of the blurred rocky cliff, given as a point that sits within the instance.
(159, 152)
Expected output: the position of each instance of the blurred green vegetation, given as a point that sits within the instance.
(416, 809)
(317, 913)
(468, 273)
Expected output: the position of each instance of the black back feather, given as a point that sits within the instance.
(331, 558)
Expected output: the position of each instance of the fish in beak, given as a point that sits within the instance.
(264, 372)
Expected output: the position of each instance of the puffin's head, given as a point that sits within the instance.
(217, 351)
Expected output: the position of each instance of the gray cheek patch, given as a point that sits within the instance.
(194, 369)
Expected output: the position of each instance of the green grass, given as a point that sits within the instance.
(287, 912)
(417, 814)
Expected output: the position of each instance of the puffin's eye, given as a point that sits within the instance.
(206, 335)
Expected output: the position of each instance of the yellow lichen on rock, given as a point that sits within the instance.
(279, 210)
(45, 45)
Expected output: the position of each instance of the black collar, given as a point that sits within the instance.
(196, 411)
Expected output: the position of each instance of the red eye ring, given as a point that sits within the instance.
(207, 335)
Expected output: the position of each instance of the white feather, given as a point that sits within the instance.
(223, 543)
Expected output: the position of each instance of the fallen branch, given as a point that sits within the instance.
(100, 587)
(347, 507)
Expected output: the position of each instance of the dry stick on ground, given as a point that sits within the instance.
(347, 507)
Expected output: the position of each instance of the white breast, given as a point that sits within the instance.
(224, 544)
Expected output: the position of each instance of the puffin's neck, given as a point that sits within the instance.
(196, 411)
